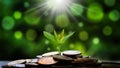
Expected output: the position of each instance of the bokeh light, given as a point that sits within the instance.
(31, 35)
(77, 9)
(95, 12)
(32, 19)
(48, 49)
(26, 4)
(96, 40)
(95, 23)
(107, 30)
(114, 15)
(62, 20)
(18, 34)
(17, 15)
(49, 28)
(8, 23)
(47, 42)
(80, 24)
(83, 35)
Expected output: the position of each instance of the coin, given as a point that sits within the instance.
(46, 61)
(19, 65)
(51, 53)
(62, 58)
(16, 62)
(71, 53)
(28, 60)
(34, 60)
(39, 56)
(85, 60)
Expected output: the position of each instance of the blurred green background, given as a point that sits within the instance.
(96, 24)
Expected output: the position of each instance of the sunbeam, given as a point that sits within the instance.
(58, 6)
(53, 8)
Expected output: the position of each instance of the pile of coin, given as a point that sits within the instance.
(54, 60)
(66, 57)
(17, 63)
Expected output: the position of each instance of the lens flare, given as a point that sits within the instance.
(58, 5)
(54, 8)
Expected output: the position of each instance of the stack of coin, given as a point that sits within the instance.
(16, 64)
(61, 58)
(72, 53)
(85, 60)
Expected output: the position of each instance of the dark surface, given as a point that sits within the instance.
(35, 65)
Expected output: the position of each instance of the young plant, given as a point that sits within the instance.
(58, 38)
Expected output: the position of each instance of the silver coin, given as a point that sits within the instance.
(19, 65)
(50, 53)
(16, 62)
(34, 60)
(39, 56)
(71, 52)
(28, 60)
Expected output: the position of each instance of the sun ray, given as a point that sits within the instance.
(55, 7)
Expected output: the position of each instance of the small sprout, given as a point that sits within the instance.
(59, 39)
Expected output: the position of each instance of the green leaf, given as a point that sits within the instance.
(61, 41)
(62, 33)
(68, 36)
(55, 34)
(49, 36)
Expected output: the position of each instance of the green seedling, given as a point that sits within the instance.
(58, 38)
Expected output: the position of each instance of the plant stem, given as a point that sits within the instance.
(59, 50)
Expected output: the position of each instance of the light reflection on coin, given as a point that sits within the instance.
(39, 56)
(28, 60)
(34, 60)
(19, 65)
(71, 52)
(51, 53)
(16, 62)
